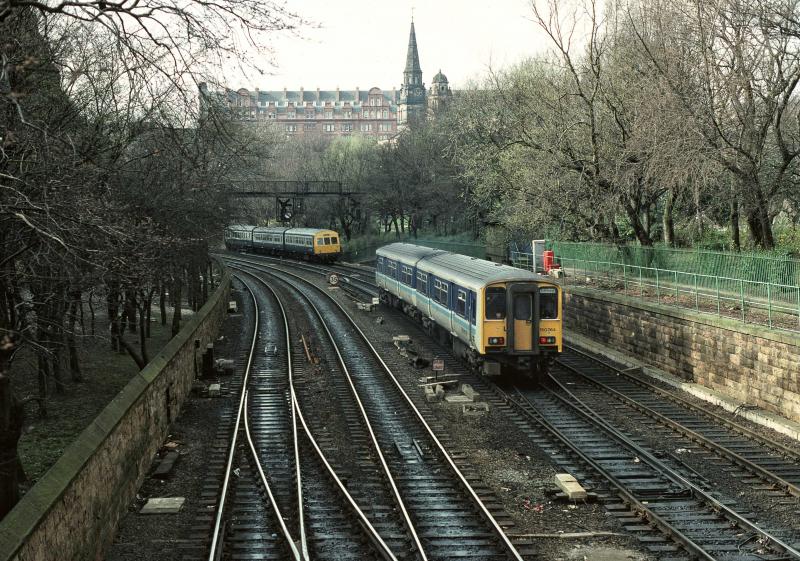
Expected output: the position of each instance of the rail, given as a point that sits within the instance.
(765, 303)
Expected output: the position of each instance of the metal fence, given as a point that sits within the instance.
(774, 304)
(757, 267)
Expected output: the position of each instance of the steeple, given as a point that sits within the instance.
(412, 104)
(413, 70)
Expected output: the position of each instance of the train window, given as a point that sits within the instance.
(548, 303)
(327, 241)
(495, 303)
(392, 266)
(379, 264)
(461, 303)
(522, 306)
(422, 283)
(334, 240)
(443, 293)
(406, 275)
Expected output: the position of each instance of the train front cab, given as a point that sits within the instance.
(522, 326)
(327, 246)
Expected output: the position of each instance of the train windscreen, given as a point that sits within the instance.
(495, 303)
(548, 303)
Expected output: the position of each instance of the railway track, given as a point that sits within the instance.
(684, 511)
(272, 505)
(765, 459)
(444, 515)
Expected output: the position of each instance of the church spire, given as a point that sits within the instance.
(413, 69)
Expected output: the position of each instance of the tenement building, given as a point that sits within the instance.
(371, 112)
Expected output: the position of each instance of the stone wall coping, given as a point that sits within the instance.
(761, 331)
(26, 516)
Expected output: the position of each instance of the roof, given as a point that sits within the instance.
(469, 272)
(412, 57)
(309, 231)
(270, 230)
(473, 272)
(407, 253)
(336, 98)
(241, 227)
(439, 77)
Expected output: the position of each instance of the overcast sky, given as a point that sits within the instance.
(364, 43)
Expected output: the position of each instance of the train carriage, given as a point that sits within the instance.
(304, 243)
(239, 237)
(496, 316)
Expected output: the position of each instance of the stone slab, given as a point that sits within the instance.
(467, 390)
(233, 307)
(163, 505)
(570, 486)
(214, 390)
(166, 464)
(475, 409)
(457, 398)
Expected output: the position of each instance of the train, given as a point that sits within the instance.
(310, 244)
(499, 318)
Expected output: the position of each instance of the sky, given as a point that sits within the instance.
(364, 44)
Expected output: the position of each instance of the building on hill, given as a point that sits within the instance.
(318, 112)
(377, 113)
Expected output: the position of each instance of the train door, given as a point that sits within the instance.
(523, 314)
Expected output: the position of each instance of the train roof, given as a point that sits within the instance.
(407, 253)
(270, 229)
(469, 272)
(241, 227)
(309, 231)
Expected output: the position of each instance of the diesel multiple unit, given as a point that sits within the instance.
(497, 317)
(304, 243)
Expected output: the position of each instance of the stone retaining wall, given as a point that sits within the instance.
(750, 363)
(73, 511)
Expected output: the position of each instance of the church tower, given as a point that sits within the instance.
(439, 96)
(413, 105)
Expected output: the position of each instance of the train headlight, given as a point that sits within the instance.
(497, 340)
(547, 340)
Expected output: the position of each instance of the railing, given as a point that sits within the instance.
(766, 303)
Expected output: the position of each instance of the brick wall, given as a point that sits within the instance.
(753, 364)
(73, 511)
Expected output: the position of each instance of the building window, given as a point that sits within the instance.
(309, 126)
(347, 114)
(291, 115)
(291, 128)
(330, 127)
(385, 114)
(385, 127)
(271, 115)
(329, 114)
(347, 127)
(366, 127)
(383, 137)
(310, 114)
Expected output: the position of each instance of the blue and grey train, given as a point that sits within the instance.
(311, 244)
(497, 317)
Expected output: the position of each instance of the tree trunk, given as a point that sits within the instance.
(112, 302)
(735, 235)
(668, 219)
(91, 310)
(55, 367)
(43, 374)
(130, 310)
(11, 422)
(142, 335)
(162, 303)
(72, 351)
(176, 315)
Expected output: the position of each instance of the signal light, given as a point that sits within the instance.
(547, 340)
(497, 340)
